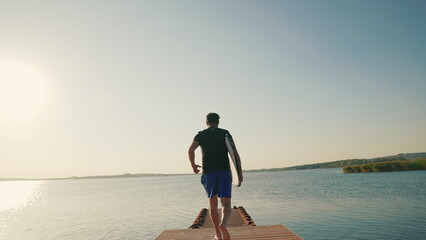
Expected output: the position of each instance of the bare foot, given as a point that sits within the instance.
(218, 235)
(225, 233)
(217, 238)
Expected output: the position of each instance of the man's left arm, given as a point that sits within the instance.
(191, 154)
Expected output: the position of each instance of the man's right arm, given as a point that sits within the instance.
(191, 154)
(238, 162)
(240, 173)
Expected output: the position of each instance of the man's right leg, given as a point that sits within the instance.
(225, 192)
(214, 215)
(226, 214)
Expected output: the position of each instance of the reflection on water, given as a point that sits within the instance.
(316, 204)
(17, 194)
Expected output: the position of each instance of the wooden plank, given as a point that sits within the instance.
(274, 232)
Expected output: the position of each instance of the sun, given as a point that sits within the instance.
(22, 91)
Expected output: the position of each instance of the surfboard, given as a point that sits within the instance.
(235, 166)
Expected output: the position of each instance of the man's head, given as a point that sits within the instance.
(212, 119)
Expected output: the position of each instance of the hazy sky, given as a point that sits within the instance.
(119, 87)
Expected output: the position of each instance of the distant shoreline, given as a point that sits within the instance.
(127, 175)
(335, 164)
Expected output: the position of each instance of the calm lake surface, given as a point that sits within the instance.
(316, 204)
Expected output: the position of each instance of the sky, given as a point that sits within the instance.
(114, 87)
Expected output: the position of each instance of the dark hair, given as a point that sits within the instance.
(213, 118)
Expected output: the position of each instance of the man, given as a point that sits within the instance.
(216, 177)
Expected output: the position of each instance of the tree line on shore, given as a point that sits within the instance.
(402, 157)
(419, 164)
(337, 164)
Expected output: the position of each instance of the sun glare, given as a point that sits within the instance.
(22, 91)
(17, 194)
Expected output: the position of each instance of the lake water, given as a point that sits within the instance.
(316, 204)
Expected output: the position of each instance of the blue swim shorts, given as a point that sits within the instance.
(217, 183)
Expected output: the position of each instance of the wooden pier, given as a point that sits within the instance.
(240, 226)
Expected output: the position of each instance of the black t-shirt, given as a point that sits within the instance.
(213, 146)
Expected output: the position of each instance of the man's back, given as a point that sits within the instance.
(215, 152)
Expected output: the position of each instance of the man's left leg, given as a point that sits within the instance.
(214, 215)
